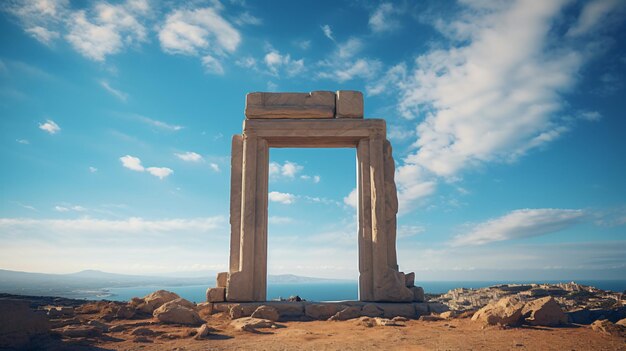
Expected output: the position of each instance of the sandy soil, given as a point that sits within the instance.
(455, 334)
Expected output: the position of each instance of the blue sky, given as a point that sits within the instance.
(506, 117)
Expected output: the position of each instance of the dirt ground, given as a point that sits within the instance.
(455, 334)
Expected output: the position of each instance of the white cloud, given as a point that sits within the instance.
(352, 199)
(23, 141)
(50, 127)
(159, 124)
(189, 156)
(68, 208)
(215, 167)
(132, 163)
(494, 95)
(283, 198)
(246, 62)
(93, 169)
(160, 172)
(328, 32)
(112, 28)
(342, 65)
(276, 62)
(520, 224)
(115, 92)
(201, 31)
(288, 169)
(380, 20)
(61, 209)
(42, 34)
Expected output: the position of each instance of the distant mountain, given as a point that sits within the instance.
(90, 282)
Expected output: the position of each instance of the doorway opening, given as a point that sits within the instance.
(312, 224)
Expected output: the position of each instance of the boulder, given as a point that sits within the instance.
(216, 294)
(322, 311)
(544, 312)
(266, 312)
(347, 313)
(609, 328)
(183, 302)
(117, 311)
(371, 310)
(507, 311)
(251, 324)
(19, 325)
(155, 300)
(177, 314)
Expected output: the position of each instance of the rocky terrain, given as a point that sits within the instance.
(564, 316)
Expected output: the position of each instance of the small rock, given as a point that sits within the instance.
(266, 312)
(202, 332)
(385, 322)
(142, 331)
(83, 331)
(430, 318)
(347, 313)
(251, 324)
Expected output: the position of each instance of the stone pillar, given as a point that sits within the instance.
(391, 205)
(236, 164)
(241, 283)
(364, 205)
(260, 231)
(379, 235)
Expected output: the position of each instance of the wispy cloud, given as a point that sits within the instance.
(520, 224)
(352, 199)
(42, 34)
(492, 95)
(50, 126)
(160, 172)
(381, 20)
(92, 169)
(283, 198)
(23, 141)
(189, 156)
(215, 167)
(248, 19)
(159, 124)
(115, 92)
(343, 64)
(328, 32)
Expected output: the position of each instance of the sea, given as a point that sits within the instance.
(329, 291)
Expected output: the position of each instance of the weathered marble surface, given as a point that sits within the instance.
(349, 104)
(317, 104)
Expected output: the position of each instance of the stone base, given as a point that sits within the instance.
(308, 310)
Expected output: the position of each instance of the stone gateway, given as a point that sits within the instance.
(321, 119)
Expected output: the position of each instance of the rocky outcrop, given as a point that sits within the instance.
(507, 311)
(544, 312)
(609, 328)
(19, 325)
